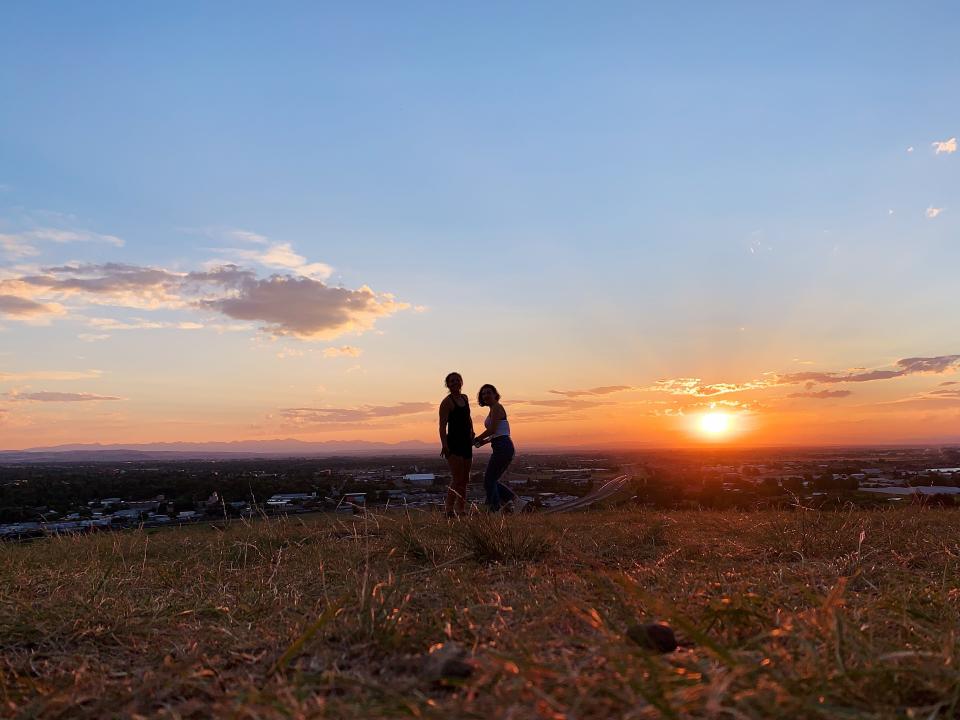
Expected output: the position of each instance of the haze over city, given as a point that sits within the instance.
(648, 226)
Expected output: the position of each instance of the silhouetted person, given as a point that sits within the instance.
(456, 439)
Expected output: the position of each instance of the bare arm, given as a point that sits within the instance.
(444, 415)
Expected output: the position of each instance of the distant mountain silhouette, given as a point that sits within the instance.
(126, 452)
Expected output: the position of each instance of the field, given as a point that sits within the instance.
(779, 614)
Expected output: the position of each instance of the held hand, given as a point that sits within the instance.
(443, 452)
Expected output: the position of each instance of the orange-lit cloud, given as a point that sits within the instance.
(21, 307)
(696, 387)
(821, 394)
(947, 147)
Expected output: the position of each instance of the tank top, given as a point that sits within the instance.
(502, 429)
(458, 423)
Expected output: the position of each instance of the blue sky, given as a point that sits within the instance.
(573, 194)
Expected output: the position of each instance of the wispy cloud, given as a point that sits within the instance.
(25, 243)
(905, 366)
(932, 212)
(275, 255)
(945, 146)
(602, 390)
(46, 396)
(15, 247)
(141, 324)
(51, 375)
(821, 394)
(344, 351)
(364, 413)
(21, 307)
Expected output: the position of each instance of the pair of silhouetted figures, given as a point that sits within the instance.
(458, 440)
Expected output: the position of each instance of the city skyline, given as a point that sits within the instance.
(240, 225)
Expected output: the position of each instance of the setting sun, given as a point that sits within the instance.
(715, 424)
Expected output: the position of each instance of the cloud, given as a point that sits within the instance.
(58, 375)
(944, 393)
(141, 324)
(14, 247)
(364, 413)
(22, 307)
(24, 244)
(71, 236)
(932, 212)
(603, 390)
(306, 308)
(696, 388)
(107, 284)
(565, 403)
(276, 255)
(344, 351)
(905, 366)
(945, 146)
(92, 337)
(910, 149)
(45, 396)
(821, 394)
(283, 304)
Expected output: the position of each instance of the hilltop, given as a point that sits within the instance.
(788, 614)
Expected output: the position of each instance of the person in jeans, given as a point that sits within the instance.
(497, 433)
(456, 441)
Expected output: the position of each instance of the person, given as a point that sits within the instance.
(497, 433)
(456, 440)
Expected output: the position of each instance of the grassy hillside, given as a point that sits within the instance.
(802, 614)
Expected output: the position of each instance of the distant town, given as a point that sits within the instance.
(39, 499)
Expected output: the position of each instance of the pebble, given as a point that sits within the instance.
(448, 661)
(653, 636)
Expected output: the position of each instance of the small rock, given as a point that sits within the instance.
(653, 636)
(446, 661)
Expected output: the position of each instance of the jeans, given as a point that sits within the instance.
(498, 494)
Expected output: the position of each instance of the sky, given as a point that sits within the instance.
(241, 221)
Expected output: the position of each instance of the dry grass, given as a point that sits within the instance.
(800, 615)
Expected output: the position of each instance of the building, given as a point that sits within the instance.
(282, 500)
(420, 478)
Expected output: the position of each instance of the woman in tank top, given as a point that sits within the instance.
(497, 433)
(456, 440)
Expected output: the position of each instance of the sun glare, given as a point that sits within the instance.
(715, 424)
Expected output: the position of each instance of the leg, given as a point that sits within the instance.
(462, 488)
(455, 494)
(505, 493)
(490, 476)
(500, 459)
(506, 452)
(458, 485)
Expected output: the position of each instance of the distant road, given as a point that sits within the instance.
(605, 492)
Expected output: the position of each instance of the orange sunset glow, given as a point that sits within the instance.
(640, 244)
